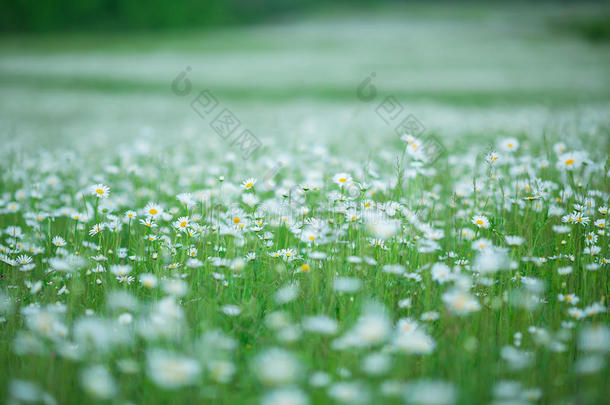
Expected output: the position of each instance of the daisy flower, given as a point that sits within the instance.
(24, 259)
(153, 210)
(590, 238)
(248, 183)
(569, 298)
(570, 161)
(467, 233)
(58, 241)
(289, 254)
(481, 221)
(100, 190)
(309, 235)
(492, 158)
(580, 219)
(380, 243)
(170, 370)
(97, 228)
(514, 240)
(460, 302)
(559, 148)
(342, 179)
(441, 273)
(576, 313)
(482, 244)
(13, 206)
(509, 145)
(182, 224)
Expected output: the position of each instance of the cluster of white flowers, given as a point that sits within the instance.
(331, 281)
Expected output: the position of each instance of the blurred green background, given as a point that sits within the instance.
(100, 72)
(51, 15)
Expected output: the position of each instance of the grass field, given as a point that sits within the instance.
(151, 255)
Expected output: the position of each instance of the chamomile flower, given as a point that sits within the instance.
(289, 254)
(570, 161)
(182, 224)
(24, 259)
(276, 366)
(481, 221)
(171, 370)
(248, 183)
(460, 302)
(58, 241)
(441, 273)
(153, 210)
(560, 148)
(514, 240)
(467, 233)
(509, 145)
(97, 228)
(569, 298)
(99, 190)
(342, 179)
(492, 158)
(148, 280)
(591, 238)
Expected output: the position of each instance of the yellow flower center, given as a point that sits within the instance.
(183, 224)
(479, 222)
(569, 162)
(153, 211)
(342, 180)
(305, 267)
(249, 185)
(236, 220)
(312, 237)
(99, 191)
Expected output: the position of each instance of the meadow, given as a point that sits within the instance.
(331, 254)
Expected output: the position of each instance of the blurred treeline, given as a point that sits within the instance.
(121, 15)
(62, 15)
